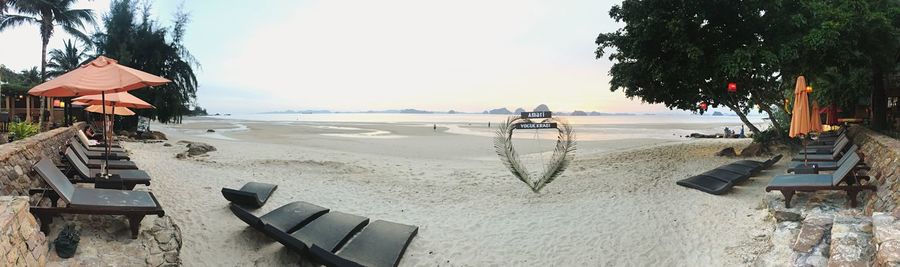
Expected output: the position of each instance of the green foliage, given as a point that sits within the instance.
(22, 130)
(680, 53)
(65, 60)
(139, 42)
(18, 83)
(48, 15)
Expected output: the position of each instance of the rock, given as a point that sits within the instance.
(197, 148)
(210, 130)
(154, 135)
(726, 152)
(167, 144)
(753, 150)
(180, 155)
(700, 135)
(542, 107)
(787, 215)
(811, 233)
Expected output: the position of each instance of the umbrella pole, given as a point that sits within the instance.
(105, 170)
(805, 154)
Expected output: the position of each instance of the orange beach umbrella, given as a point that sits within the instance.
(121, 99)
(102, 75)
(118, 111)
(800, 116)
(814, 119)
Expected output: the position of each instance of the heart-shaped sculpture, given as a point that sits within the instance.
(562, 154)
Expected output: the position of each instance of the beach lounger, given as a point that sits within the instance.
(113, 164)
(842, 179)
(728, 176)
(134, 205)
(841, 145)
(826, 165)
(91, 143)
(98, 154)
(739, 168)
(759, 165)
(252, 194)
(330, 231)
(706, 184)
(833, 156)
(287, 218)
(380, 244)
(97, 148)
(825, 144)
(80, 173)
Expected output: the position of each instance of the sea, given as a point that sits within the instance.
(604, 127)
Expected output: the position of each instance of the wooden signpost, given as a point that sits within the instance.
(537, 115)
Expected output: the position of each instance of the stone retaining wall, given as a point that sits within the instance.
(21, 241)
(16, 159)
(882, 153)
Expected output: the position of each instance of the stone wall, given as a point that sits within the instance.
(21, 241)
(16, 159)
(882, 153)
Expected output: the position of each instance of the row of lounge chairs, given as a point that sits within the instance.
(721, 179)
(830, 153)
(334, 238)
(82, 162)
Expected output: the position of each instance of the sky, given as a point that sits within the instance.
(463, 55)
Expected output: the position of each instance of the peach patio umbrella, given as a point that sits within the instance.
(800, 114)
(101, 76)
(814, 119)
(121, 99)
(118, 111)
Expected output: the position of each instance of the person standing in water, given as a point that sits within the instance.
(435, 127)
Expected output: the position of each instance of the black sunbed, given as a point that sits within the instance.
(287, 218)
(841, 145)
(381, 244)
(759, 165)
(133, 204)
(706, 184)
(99, 154)
(80, 173)
(728, 176)
(330, 231)
(113, 164)
(824, 165)
(842, 179)
(252, 194)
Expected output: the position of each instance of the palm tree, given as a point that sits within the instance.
(48, 14)
(65, 60)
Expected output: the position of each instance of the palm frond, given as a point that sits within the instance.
(563, 153)
(8, 21)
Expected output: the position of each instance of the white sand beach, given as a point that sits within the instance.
(617, 204)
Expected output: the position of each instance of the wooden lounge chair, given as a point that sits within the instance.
(113, 164)
(95, 148)
(759, 165)
(818, 166)
(841, 179)
(287, 218)
(706, 184)
(380, 244)
(252, 194)
(329, 231)
(98, 154)
(92, 143)
(80, 173)
(812, 150)
(132, 204)
(833, 156)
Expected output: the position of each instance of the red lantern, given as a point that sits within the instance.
(732, 87)
(703, 106)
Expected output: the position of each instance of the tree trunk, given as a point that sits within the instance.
(44, 42)
(743, 117)
(879, 100)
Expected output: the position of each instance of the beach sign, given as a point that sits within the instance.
(551, 125)
(537, 115)
(563, 153)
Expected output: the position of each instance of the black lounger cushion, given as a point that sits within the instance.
(728, 176)
(286, 218)
(706, 184)
(381, 244)
(330, 231)
(737, 168)
(252, 194)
